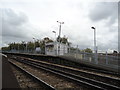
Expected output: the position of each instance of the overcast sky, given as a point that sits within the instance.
(24, 19)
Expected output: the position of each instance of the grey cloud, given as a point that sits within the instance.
(82, 41)
(109, 45)
(13, 24)
(12, 18)
(104, 11)
(113, 29)
(110, 41)
(16, 27)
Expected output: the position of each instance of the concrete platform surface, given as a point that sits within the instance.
(8, 78)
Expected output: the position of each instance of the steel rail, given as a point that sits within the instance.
(101, 71)
(73, 69)
(92, 69)
(80, 79)
(47, 86)
(89, 68)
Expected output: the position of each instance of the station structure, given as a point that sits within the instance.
(56, 48)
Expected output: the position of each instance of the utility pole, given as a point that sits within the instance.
(95, 47)
(59, 36)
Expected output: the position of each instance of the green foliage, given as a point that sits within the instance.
(73, 49)
(32, 45)
(88, 50)
(63, 40)
(5, 48)
(47, 40)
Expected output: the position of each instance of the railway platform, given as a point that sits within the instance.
(8, 79)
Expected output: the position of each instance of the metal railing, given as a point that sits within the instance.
(103, 59)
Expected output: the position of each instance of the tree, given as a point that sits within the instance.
(5, 48)
(115, 52)
(88, 50)
(30, 46)
(37, 44)
(63, 39)
(47, 40)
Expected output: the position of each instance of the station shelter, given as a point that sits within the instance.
(56, 48)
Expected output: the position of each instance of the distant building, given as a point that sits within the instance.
(51, 48)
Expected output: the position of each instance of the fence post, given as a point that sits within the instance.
(106, 58)
(76, 54)
(96, 56)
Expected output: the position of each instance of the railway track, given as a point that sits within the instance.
(83, 67)
(117, 74)
(102, 73)
(40, 83)
(72, 74)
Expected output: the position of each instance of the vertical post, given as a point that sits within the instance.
(34, 45)
(76, 51)
(26, 47)
(59, 39)
(106, 58)
(59, 36)
(95, 47)
(96, 55)
(84, 55)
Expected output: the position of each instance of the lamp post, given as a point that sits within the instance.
(95, 47)
(59, 36)
(55, 34)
